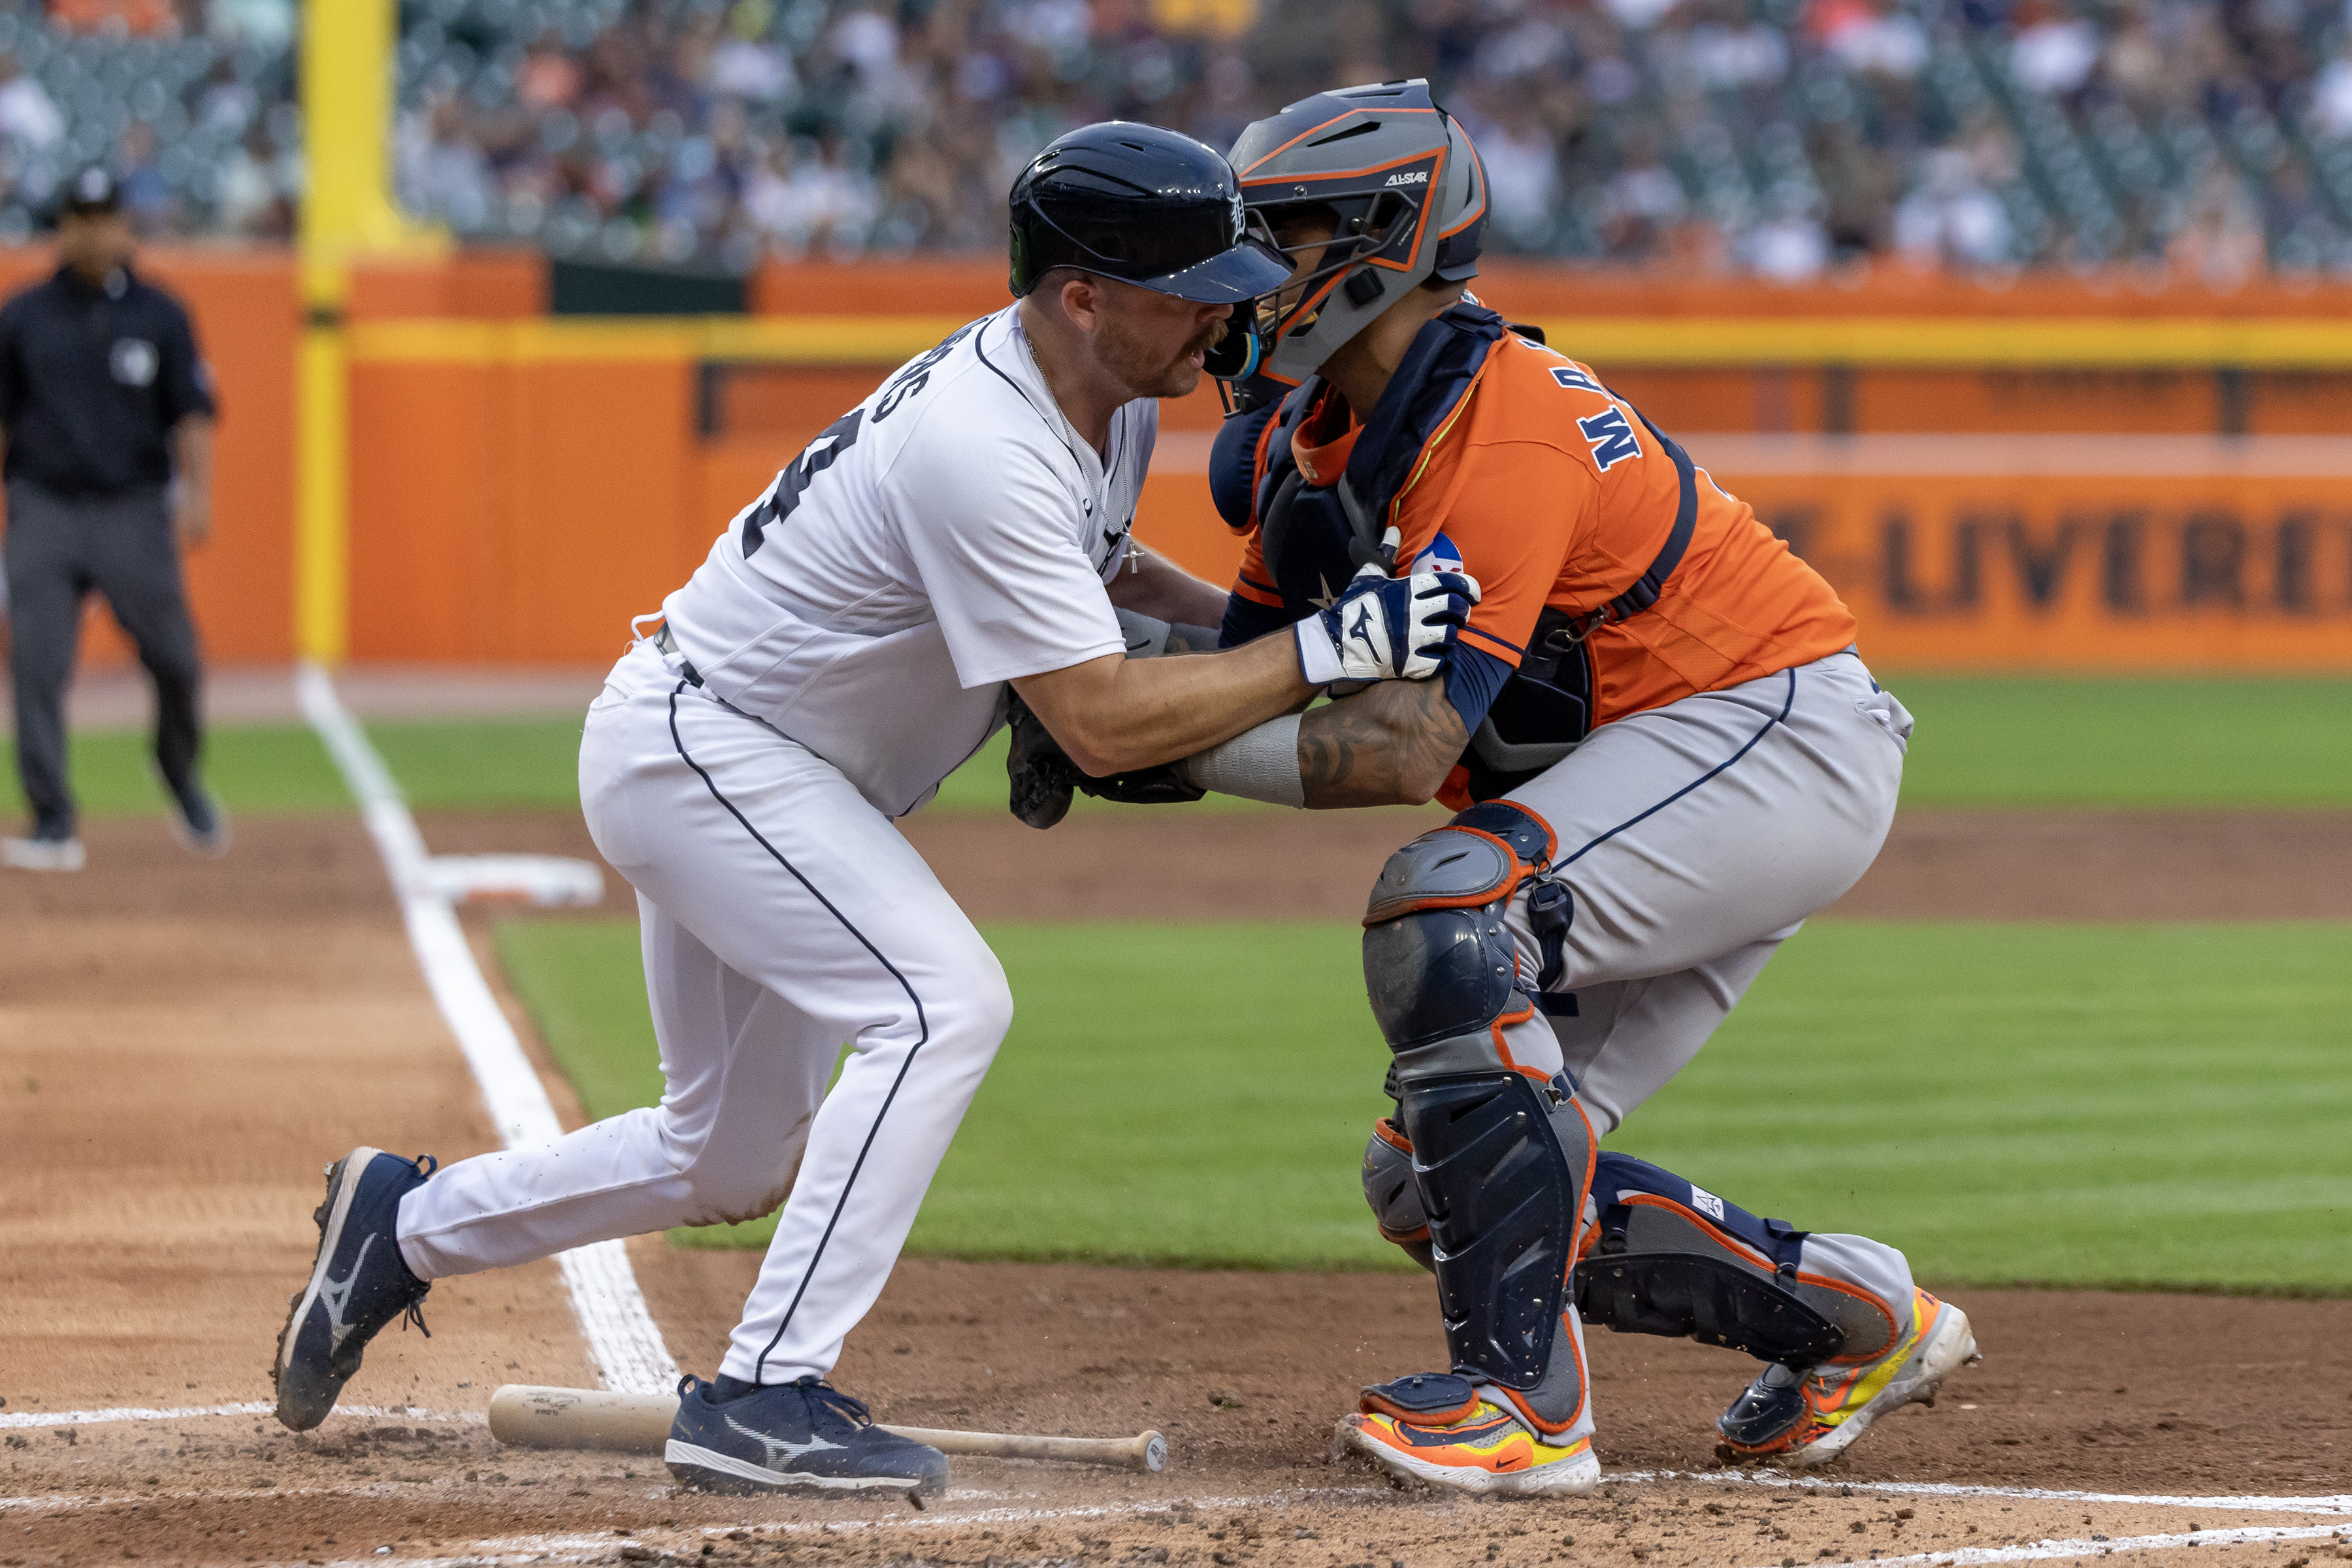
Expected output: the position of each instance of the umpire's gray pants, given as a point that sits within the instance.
(58, 549)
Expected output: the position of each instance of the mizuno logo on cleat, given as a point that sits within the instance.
(337, 1296)
(780, 1447)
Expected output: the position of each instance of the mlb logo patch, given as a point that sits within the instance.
(1441, 554)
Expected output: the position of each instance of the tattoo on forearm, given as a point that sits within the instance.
(1391, 744)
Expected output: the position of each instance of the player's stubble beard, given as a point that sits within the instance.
(1145, 371)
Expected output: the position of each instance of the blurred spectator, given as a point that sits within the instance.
(1792, 246)
(2331, 96)
(1522, 173)
(1774, 136)
(116, 18)
(1873, 36)
(1640, 205)
(1950, 219)
(2053, 52)
(27, 112)
(2220, 242)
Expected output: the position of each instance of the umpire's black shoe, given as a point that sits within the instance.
(359, 1283)
(197, 820)
(792, 1437)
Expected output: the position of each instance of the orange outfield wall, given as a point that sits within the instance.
(521, 509)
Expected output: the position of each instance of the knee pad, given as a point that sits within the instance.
(1390, 1188)
(1439, 964)
(1501, 1155)
(1673, 1258)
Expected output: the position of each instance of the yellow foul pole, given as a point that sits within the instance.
(347, 212)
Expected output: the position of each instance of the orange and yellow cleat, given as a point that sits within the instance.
(1807, 1418)
(1442, 1433)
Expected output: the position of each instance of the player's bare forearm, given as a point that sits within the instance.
(1114, 714)
(1391, 744)
(1152, 585)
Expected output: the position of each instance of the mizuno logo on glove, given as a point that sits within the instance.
(1386, 628)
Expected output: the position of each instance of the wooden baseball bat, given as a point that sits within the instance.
(532, 1417)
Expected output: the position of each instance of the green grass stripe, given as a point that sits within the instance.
(1981, 740)
(469, 764)
(2126, 740)
(2088, 1105)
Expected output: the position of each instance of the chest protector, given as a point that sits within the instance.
(1314, 537)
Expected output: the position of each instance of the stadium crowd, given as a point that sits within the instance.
(2210, 138)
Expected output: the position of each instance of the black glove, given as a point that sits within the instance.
(1163, 786)
(1042, 776)
(1041, 773)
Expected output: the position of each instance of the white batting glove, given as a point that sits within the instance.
(1386, 628)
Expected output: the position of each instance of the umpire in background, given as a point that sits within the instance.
(106, 414)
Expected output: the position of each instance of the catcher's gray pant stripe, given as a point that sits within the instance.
(1705, 832)
(1749, 745)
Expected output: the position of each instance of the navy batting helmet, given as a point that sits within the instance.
(1144, 205)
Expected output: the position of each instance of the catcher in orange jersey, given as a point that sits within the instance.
(1666, 753)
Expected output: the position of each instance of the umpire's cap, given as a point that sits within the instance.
(92, 191)
(1145, 206)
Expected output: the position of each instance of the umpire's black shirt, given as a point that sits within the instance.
(91, 380)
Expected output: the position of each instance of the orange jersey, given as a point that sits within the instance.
(1552, 493)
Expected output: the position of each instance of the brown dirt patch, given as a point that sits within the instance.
(1144, 864)
(183, 1044)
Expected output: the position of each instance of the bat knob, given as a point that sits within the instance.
(1155, 1452)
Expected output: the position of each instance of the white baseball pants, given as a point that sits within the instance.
(782, 916)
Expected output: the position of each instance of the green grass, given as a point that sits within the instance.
(473, 764)
(2109, 1105)
(1985, 742)
(2033, 741)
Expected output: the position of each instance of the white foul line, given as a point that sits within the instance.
(195, 1412)
(621, 1337)
(2090, 1546)
(2336, 1503)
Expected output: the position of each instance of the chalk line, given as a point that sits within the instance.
(2336, 1503)
(31, 1418)
(2091, 1546)
(622, 1336)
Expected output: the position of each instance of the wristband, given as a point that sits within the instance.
(1318, 656)
(1256, 765)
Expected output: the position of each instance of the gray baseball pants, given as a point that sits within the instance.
(59, 548)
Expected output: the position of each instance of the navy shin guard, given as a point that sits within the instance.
(1671, 1259)
(1501, 1158)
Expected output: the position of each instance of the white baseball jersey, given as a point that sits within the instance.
(951, 532)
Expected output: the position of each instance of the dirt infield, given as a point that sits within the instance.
(185, 1044)
(1143, 864)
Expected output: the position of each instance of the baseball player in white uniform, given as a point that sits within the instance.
(855, 635)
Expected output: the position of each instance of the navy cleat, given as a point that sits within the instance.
(792, 1437)
(359, 1284)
